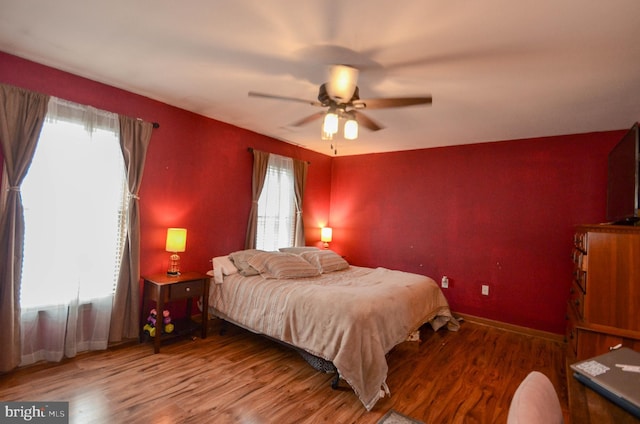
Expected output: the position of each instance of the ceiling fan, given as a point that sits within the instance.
(341, 98)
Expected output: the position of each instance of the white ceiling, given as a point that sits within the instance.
(497, 69)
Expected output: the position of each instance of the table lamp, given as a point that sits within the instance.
(326, 234)
(176, 242)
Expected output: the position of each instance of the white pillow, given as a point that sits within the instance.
(222, 265)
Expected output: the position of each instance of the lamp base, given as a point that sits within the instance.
(174, 265)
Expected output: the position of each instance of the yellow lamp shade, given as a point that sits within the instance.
(326, 234)
(176, 240)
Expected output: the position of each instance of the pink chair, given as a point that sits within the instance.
(535, 402)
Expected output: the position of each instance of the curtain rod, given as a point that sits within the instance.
(250, 150)
(154, 124)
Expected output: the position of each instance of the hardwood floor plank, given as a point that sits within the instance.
(467, 376)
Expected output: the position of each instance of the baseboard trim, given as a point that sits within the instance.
(511, 327)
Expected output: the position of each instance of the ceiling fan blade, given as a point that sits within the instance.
(307, 119)
(291, 99)
(367, 122)
(389, 102)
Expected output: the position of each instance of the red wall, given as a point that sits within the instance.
(495, 213)
(197, 173)
(500, 214)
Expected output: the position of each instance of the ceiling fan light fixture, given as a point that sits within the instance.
(330, 123)
(351, 129)
(325, 135)
(340, 96)
(342, 83)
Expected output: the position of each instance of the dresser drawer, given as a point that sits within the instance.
(186, 289)
(580, 241)
(594, 343)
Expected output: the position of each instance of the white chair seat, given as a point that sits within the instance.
(535, 402)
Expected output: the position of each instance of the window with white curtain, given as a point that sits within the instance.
(75, 199)
(276, 205)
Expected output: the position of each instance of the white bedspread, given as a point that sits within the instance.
(352, 318)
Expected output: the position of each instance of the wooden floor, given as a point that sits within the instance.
(466, 377)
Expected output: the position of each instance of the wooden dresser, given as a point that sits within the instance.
(604, 304)
(603, 310)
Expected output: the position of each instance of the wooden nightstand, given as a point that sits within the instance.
(163, 288)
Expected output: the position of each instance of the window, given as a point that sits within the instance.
(276, 205)
(74, 198)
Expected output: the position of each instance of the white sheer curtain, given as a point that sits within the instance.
(74, 198)
(276, 205)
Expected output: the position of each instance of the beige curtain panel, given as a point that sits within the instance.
(22, 116)
(260, 162)
(300, 169)
(134, 141)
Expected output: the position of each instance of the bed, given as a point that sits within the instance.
(313, 300)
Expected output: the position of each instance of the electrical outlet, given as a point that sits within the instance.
(485, 290)
(445, 282)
